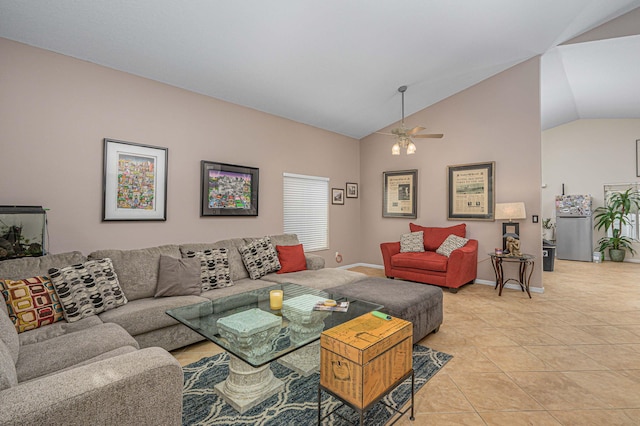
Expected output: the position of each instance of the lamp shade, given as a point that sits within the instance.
(510, 211)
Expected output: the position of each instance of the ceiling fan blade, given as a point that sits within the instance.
(433, 135)
(386, 134)
(415, 130)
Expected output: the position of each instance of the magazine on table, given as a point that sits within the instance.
(339, 307)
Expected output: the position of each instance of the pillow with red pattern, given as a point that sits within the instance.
(291, 258)
(31, 302)
(434, 236)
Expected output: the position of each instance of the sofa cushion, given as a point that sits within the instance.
(8, 374)
(318, 279)
(434, 236)
(31, 302)
(427, 260)
(236, 266)
(178, 277)
(9, 335)
(214, 267)
(26, 267)
(291, 258)
(58, 329)
(144, 315)
(260, 257)
(453, 242)
(70, 349)
(137, 269)
(412, 243)
(87, 288)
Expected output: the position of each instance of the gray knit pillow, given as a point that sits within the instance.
(260, 257)
(412, 243)
(87, 288)
(453, 242)
(214, 267)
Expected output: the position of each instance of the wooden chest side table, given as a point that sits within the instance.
(364, 359)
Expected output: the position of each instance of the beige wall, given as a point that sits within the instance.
(56, 110)
(585, 155)
(495, 120)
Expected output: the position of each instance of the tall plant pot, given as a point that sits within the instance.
(617, 255)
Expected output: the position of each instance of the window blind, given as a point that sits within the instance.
(306, 210)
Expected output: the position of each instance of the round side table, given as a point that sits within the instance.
(526, 262)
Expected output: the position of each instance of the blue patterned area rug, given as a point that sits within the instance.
(297, 404)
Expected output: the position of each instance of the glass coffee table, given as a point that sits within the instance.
(255, 335)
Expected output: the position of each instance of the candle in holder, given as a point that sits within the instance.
(275, 299)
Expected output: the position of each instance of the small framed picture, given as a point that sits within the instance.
(337, 196)
(352, 190)
(135, 181)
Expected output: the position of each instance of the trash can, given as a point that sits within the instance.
(548, 256)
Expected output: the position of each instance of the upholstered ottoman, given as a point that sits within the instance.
(419, 303)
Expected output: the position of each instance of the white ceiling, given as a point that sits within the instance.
(336, 64)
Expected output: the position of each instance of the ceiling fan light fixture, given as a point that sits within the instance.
(411, 148)
(395, 149)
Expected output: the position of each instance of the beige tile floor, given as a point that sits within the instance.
(569, 356)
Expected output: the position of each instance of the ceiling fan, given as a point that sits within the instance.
(404, 136)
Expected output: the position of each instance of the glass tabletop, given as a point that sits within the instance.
(245, 325)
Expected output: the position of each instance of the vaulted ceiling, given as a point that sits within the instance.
(337, 64)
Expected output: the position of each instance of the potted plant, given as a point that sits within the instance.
(614, 215)
(547, 229)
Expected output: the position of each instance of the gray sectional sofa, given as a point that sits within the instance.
(114, 368)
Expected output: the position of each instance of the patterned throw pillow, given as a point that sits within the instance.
(260, 258)
(412, 243)
(214, 268)
(31, 302)
(87, 289)
(453, 242)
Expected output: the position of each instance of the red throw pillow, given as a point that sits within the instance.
(291, 258)
(434, 237)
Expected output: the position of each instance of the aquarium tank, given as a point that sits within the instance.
(22, 231)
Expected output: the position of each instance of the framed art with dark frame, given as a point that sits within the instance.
(134, 183)
(337, 196)
(352, 190)
(228, 189)
(400, 194)
(471, 192)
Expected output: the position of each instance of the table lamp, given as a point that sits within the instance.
(510, 211)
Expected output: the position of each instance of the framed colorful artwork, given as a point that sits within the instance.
(228, 190)
(134, 181)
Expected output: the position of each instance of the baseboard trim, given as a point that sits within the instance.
(367, 265)
(510, 286)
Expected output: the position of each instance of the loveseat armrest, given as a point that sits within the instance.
(314, 261)
(462, 266)
(141, 387)
(388, 250)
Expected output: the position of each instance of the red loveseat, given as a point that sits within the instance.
(430, 267)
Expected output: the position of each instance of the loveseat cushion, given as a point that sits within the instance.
(427, 260)
(87, 288)
(70, 349)
(434, 236)
(412, 242)
(137, 269)
(453, 242)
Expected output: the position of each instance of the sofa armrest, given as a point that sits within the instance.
(141, 387)
(314, 261)
(463, 262)
(388, 250)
